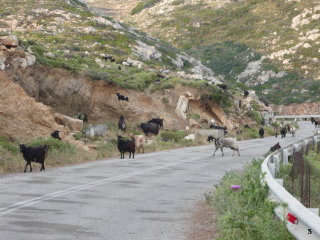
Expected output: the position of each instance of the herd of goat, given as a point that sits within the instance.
(136, 142)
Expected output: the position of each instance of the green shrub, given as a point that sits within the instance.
(10, 147)
(256, 116)
(165, 100)
(53, 143)
(193, 116)
(246, 213)
(177, 2)
(174, 136)
(143, 5)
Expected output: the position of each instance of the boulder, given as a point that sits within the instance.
(75, 125)
(190, 137)
(78, 143)
(194, 124)
(9, 41)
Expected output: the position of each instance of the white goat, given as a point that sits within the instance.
(226, 142)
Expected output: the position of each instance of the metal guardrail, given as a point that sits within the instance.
(307, 226)
(296, 116)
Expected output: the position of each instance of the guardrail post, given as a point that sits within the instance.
(296, 147)
(285, 155)
(315, 139)
(276, 161)
(272, 169)
(305, 144)
(314, 210)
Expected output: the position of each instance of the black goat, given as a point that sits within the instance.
(150, 127)
(121, 123)
(275, 147)
(158, 121)
(55, 134)
(225, 129)
(126, 146)
(83, 117)
(34, 154)
(108, 57)
(261, 132)
(245, 93)
(122, 97)
(312, 120)
(160, 76)
(283, 132)
(223, 86)
(210, 138)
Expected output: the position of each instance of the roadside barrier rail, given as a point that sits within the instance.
(303, 223)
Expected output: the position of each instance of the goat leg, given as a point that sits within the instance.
(222, 151)
(238, 153)
(25, 169)
(214, 152)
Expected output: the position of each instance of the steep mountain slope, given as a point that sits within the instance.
(271, 46)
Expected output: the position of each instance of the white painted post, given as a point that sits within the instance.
(315, 139)
(276, 161)
(305, 143)
(285, 156)
(296, 147)
(272, 169)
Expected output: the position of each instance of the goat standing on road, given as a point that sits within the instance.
(261, 132)
(226, 142)
(283, 132)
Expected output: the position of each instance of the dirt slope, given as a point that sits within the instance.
(69, 93)
(21, 117)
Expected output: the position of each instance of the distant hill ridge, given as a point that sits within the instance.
(229, 35)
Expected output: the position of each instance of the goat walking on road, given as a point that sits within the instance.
(34, 154)
(226, 142)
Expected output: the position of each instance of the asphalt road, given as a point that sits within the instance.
(150, 197)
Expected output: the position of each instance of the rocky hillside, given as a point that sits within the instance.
(69, 60)
(26, 113)
(271, 46)
(65, 34)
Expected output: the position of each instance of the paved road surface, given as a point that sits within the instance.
(150, 197)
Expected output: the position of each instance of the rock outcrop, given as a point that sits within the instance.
(75, 125)
(21, 117)
(298, 109)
